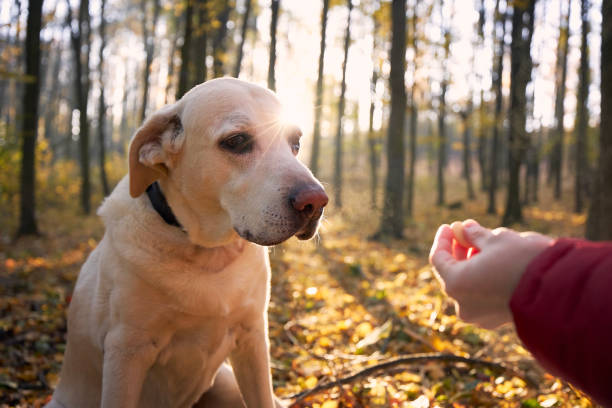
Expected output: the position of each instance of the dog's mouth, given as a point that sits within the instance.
(302, 228)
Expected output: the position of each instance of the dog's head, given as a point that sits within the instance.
(227, 165)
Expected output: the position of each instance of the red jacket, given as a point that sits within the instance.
(562, 309)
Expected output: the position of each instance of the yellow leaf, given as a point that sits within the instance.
(311, 382)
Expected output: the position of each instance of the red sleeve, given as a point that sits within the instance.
(562, 309)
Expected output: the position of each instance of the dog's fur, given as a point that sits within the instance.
(157, 309)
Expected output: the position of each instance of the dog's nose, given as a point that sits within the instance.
(309, 201)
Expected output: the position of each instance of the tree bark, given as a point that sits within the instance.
(148, 34)
(341, 102)
(29, 128)
(102, 104)
(582, 113)
(482, 111)
(185, 52)
(500, 20)
(243, 34)
(272, 61)
(392, 223)
(52, 105)
(171, 65)
(219, 49)
(412, 147)
(467, 152)
(373, 142)
(599, 223)
(199, 50)
(520, 74)
(316, 134)
(441, 121)
(81, 60)
(560, 84)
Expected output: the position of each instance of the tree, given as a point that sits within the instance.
(482, 111)
(175, 24)
(29, 127)
(148, 34)
(467, 150)
(218, 45)
(102, 103)
(412, 147)
(599, 222)
(341, 103)
(272, 61)
(520, 75)
(582, 114)
(556, 162)
(442, 112)
(392, 223)
(499, 31)
(81, 44)
(197, 69)
(243, 34)
(185, 52)
(316, 133)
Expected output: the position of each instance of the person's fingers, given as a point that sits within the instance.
(460, 252)
(475, 233)
(441, 256)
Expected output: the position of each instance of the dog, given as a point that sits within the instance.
(180, 281)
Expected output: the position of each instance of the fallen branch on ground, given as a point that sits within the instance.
(411, 359)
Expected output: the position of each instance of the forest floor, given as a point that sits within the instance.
(340, 304)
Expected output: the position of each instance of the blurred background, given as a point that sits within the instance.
(414, 113)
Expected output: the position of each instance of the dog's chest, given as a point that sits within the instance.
(186, 367)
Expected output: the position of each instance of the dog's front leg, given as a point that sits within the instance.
(128, 355)
(251, 364)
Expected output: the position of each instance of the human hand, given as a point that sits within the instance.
(481, 274)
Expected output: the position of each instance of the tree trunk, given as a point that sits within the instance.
(29, 128)
(467, 152)
(219, 49)
(316, 133)
(373, 142)
(243, 34)
(412, 147)
(200, 45)
(341, 102)
(185, 52)
(500, 20)
(148, 34)
(81, 61)
(52, 105)
(599, 223)
(560, 85)
(392, 223)
(520, 74)
(171, 65)
(272, 61)
(582, 113)
(102, 103)
(441, 121)
(482, 111)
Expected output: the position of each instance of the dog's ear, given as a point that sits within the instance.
(153, 148)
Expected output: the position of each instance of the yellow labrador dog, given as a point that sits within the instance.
(180, 281)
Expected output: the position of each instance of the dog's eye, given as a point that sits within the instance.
(240, 143)
(295, 147)
(294, 142)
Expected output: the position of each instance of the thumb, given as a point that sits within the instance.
(476, 234)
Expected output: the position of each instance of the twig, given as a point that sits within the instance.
(410, 359)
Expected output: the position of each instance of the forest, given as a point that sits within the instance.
(414, 113)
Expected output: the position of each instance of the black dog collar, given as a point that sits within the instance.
(158, 200)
